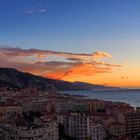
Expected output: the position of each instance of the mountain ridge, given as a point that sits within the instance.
(13, 77)
(94, 86)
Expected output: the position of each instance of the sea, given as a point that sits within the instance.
(131, 97)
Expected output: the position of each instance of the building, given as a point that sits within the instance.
(10, 111)
(50, 125)
(97, 106)
(37, 106)
(132, 121)
(97, 132)
(138, 109)
(81, 107)
(47, 131)
(63, 106)
(116, 129)
(78, 125)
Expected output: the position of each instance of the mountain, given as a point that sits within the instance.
(15, 78)
(18, 79)
(94, 87)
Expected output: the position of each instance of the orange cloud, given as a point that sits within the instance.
(100, 54)
(82, 71)
(12, 51)
(61, 65)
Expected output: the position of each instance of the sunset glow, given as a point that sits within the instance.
(86, 40)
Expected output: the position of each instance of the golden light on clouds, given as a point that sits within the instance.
(85, 67)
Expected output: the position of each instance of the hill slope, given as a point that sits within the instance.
(94, 87)
(15, 78)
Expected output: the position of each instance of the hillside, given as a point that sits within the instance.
(94, 87)
(18, 79)
(15, 78)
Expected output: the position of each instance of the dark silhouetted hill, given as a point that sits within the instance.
(18, 79)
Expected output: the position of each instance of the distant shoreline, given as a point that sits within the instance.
(105, 90)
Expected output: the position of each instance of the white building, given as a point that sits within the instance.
(81, 126)
(78, 125)
(97, 132)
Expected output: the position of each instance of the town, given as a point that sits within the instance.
(28, 114)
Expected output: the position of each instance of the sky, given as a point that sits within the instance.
(94, 41)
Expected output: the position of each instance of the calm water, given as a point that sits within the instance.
(131, 97)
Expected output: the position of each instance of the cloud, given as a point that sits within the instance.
(26, 52)
(84, 57)
(55, 64)
(100, 54)
(34, 10)
(74, 59)
(42, 10)
(79, 71)
(58, 63)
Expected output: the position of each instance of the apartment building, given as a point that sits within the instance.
(10, 111)
(81, 126)
(132, 121)
(116, 129)
(48, 131)
(97, 132)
